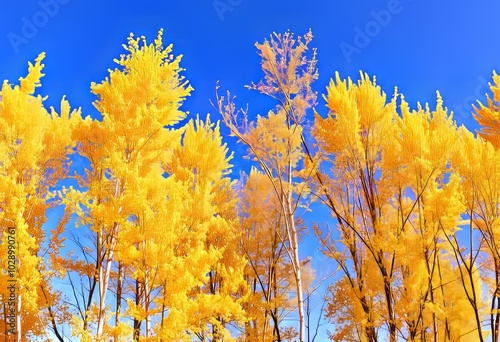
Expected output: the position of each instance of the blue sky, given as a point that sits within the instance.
(452, 46)
(419, 46)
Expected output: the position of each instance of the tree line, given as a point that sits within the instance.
(157, 242)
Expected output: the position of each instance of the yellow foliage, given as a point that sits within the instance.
(33, 154)
(488, 115)
(189, 252)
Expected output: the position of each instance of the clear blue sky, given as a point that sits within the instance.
(419, 46)
(448, 45)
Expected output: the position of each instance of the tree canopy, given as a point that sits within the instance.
(156, 239)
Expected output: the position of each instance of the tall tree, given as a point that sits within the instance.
(478, 163)
(268, 265)
(136, 102)
(395, 198)
(34, 144)
(275, 141)
(202, 269)
(160, 207)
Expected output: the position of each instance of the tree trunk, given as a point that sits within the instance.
(104, 274)
(390, 308)
(146, 303)
(18, 319)
(138, 297)
(118, 298)
(296, 264)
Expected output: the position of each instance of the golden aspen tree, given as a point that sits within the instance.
(275, 141)
(473, 159)
(478, 163)
(391, 191)
(268, 266)
(434, 204)
(345, 310)
(161, 208)
(202, 269)
(34, 144)
(358, 127)
(136, 103)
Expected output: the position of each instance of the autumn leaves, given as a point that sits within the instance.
(157, 242)
(161, 210)
(416, 206)
(152, 247)
(413, 200)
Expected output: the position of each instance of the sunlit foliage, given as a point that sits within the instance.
(156, 241)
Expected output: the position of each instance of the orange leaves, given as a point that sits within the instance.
(268, 270)
(158, 205)
(427, 138)
(276, 142)
(185, 255)
(477, 162)
(395, 195)
(288, 72)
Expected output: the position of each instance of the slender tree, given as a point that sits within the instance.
(34, 144)
(275, 141)
(268, 265)
(395, 198)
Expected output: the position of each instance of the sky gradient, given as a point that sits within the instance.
(420, 47)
